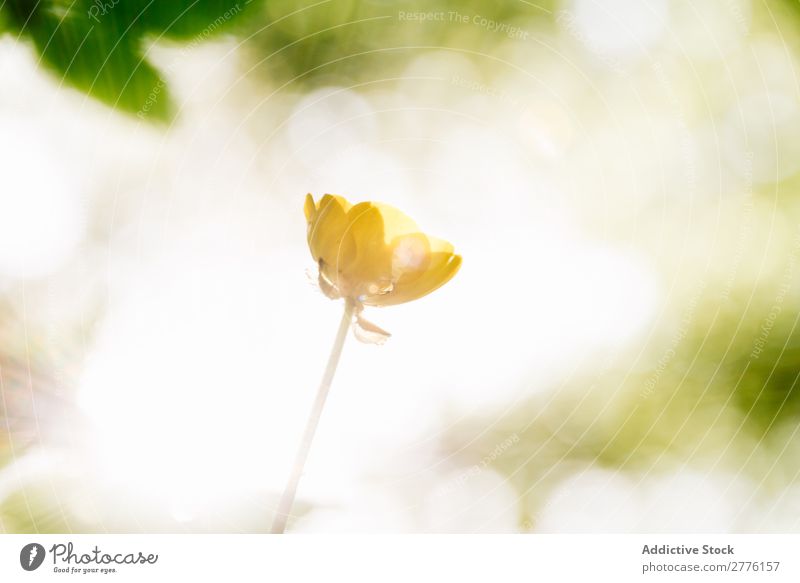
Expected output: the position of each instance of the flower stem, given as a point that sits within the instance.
(287, 498)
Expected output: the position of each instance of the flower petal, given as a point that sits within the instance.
(364, 260)
(310, 208)
(327, 221)
(411, 256)
(395, 222)
(443, 266)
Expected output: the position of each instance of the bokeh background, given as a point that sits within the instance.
(620, 351)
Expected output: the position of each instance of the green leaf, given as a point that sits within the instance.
(96, 46)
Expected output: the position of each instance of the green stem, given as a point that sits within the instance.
(287, 498)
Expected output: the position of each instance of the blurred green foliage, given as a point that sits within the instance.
(348, 40)
(723, 391)
(33, 511)
(98, 46)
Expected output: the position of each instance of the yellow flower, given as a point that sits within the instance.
(374, 255)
